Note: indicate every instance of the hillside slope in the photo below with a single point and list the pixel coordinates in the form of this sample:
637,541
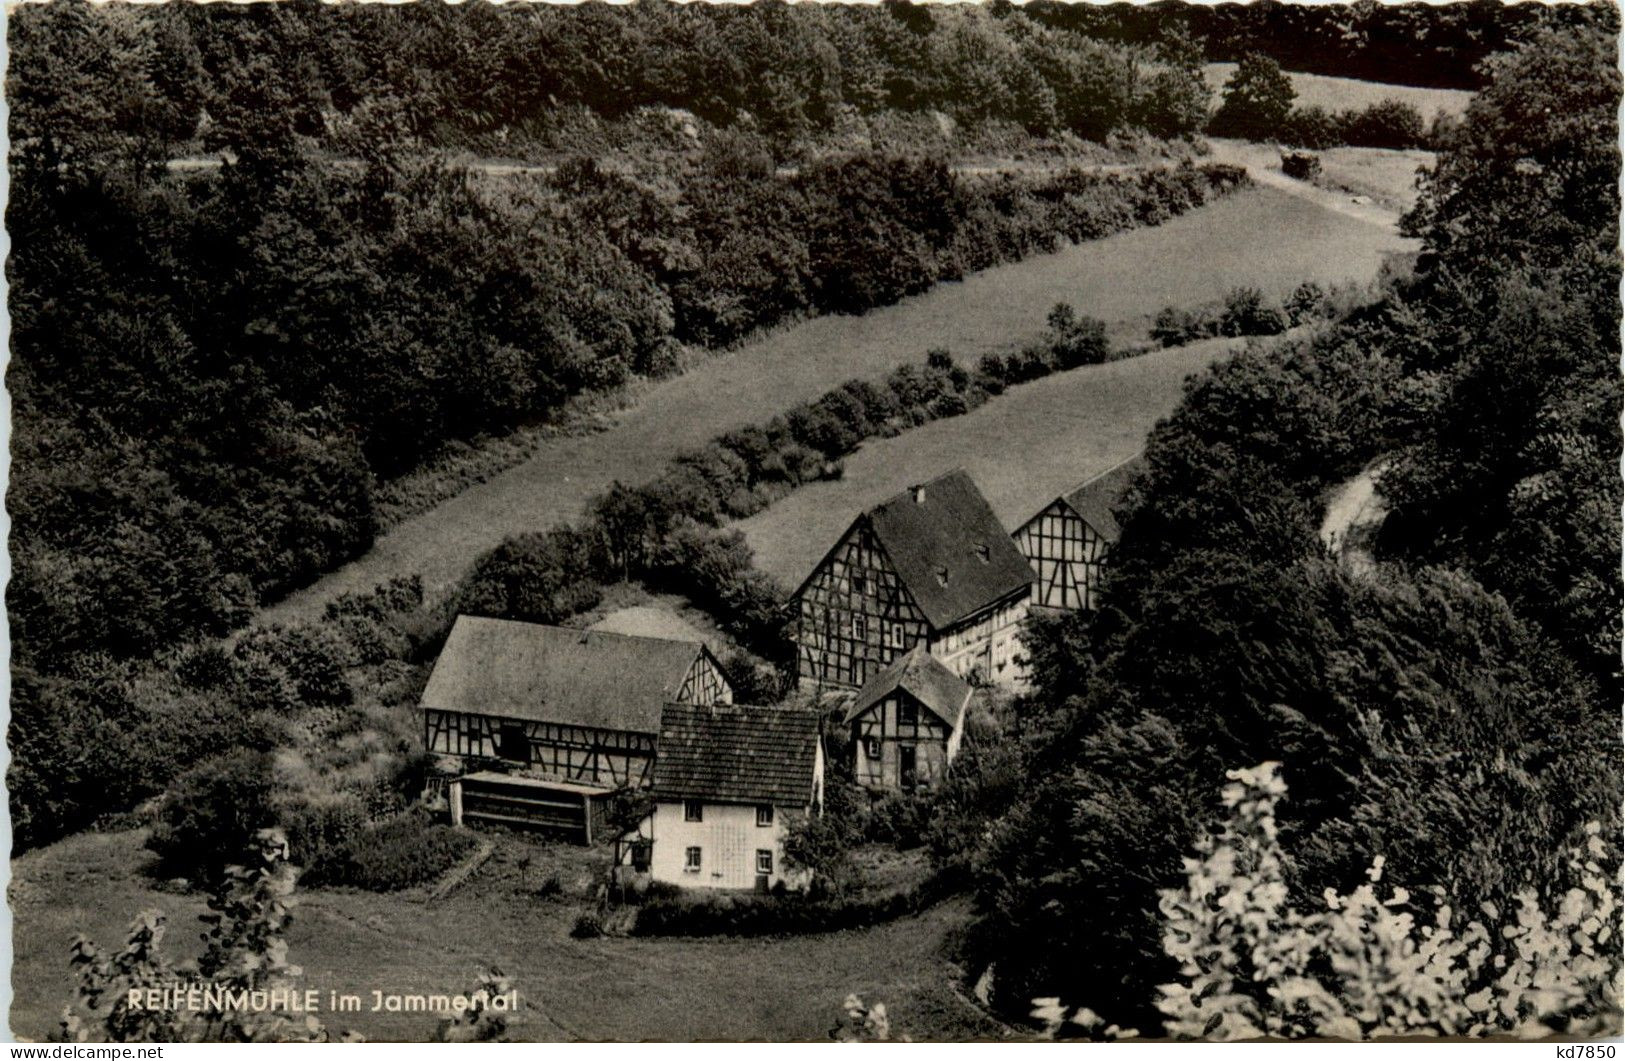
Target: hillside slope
1266,238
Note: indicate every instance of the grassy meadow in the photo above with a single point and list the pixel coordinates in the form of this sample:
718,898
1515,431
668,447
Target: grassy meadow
626,989
1262,237
1347,93
1023,448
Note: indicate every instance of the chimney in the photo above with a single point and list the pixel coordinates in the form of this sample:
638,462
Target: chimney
919,494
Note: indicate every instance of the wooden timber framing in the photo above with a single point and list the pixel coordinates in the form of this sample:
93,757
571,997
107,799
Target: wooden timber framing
570,753
705,683
854,616
1066,554
898,726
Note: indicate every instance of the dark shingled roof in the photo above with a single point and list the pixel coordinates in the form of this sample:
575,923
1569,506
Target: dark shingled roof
732,753
921,675
941,534
1095,500
551,674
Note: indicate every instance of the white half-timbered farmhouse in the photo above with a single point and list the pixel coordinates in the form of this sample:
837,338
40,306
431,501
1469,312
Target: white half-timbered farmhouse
931,566
728,782
907,723
570,713
1066,541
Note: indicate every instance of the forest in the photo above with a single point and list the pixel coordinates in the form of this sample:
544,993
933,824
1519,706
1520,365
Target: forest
213,370
1455,708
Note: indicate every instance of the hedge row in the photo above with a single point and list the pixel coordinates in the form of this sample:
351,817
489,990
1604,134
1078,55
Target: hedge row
784,915
667,532
1245,311
1388,123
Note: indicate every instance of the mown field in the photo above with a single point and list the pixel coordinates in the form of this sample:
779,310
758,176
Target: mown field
1023,449
620,989
1370,184
1263,237
1346,93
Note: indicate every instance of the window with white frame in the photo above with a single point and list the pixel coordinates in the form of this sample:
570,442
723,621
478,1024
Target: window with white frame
764,861
691,860
693,811
872,748
764,814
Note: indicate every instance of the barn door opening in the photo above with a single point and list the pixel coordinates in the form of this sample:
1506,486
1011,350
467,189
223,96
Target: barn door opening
906,764
513,744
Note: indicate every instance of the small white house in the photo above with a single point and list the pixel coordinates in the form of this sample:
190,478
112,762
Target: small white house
729,780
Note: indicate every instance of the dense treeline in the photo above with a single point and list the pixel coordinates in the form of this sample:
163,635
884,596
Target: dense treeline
210,373
1402,44
196,438
495,76
1453,705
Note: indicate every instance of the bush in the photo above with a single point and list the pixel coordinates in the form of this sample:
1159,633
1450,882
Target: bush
587,926
540,578
1307,302
1300,165
991,373
1313,127
1358,965
1389,123
210,817
784,915
1246,313
404,851
1176,327
319,829
1075,340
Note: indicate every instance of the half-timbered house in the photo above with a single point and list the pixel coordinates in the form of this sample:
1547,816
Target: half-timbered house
907,723
575,711
1067,540
931,566
728,783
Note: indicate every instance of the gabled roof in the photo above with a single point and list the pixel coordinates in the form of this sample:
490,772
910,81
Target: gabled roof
951,552
923,677
1095,500
552,674
733,753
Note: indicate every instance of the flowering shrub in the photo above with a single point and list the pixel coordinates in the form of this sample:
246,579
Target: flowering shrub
1369,964
865,1024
